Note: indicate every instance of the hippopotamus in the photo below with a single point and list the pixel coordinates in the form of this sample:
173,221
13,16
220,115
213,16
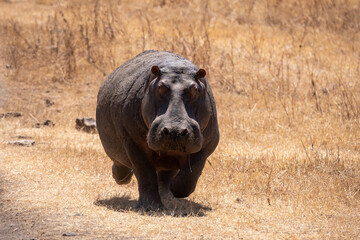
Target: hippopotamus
156,118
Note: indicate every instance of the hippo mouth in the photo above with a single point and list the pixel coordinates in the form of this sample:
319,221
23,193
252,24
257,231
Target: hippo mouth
174,144
169,160
173,148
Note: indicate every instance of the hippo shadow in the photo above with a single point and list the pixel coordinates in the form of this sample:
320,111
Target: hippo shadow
174,207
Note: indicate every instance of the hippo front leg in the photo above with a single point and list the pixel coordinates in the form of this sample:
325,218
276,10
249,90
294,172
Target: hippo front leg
145,173
185,181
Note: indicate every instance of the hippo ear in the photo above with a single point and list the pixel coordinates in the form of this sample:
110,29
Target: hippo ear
201,73
199,76
155,70
154,74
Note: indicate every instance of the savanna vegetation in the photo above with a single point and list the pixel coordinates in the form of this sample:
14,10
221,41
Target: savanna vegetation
286,79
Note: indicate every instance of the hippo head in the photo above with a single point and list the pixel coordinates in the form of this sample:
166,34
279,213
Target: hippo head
176,109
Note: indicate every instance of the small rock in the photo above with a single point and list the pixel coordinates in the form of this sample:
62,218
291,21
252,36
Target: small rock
49,102
23,142
11,114
48,123
69,234
45,123
86,124
8,66
201,214
16,114
78,215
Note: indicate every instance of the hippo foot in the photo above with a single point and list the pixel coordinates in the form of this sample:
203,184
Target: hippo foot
121,174
149,206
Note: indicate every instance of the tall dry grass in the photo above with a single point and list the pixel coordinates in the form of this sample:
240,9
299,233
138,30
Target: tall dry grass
286,80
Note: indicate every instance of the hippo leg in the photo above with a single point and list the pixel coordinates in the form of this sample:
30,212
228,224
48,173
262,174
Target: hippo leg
165,177
145,173
121,173
185,181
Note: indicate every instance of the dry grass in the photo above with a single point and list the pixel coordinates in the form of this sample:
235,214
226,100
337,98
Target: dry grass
286,81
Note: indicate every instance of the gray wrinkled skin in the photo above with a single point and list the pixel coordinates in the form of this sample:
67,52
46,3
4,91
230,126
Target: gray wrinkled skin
157,122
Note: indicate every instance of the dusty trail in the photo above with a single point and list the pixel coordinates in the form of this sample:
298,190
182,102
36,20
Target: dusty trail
17,221
14,224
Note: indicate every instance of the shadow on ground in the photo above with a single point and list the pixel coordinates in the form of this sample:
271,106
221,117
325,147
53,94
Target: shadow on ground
174,207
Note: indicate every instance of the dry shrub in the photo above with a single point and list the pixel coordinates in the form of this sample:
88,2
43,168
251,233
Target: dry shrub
77,38
64,45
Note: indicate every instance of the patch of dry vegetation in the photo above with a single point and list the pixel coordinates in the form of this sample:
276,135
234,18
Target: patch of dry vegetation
285,75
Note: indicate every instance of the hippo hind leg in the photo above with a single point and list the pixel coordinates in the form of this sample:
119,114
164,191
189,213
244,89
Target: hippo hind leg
121,173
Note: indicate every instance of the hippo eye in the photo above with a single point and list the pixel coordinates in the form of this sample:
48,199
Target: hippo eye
194,91
162,89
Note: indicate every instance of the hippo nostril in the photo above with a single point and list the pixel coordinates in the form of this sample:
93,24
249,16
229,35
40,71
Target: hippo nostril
165,131
184,132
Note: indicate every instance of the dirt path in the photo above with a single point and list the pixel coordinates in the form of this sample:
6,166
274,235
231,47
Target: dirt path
14,224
